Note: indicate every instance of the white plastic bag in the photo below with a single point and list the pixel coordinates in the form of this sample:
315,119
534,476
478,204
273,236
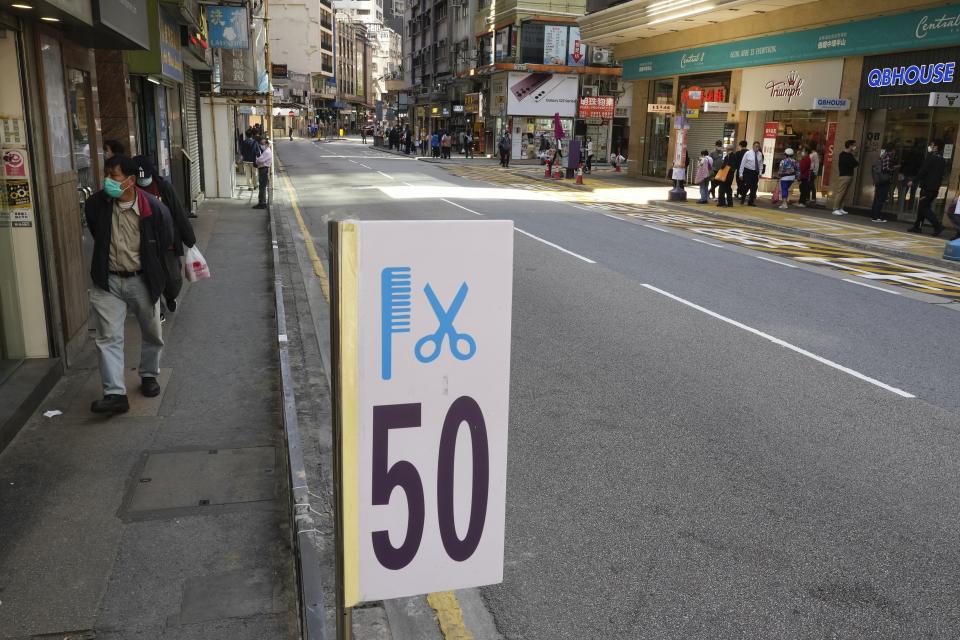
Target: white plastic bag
194,265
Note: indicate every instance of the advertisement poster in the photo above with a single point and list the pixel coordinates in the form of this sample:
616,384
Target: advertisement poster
597,107
555,44
542,94
828,154
577,51
12,133
14,163
228,27
769,146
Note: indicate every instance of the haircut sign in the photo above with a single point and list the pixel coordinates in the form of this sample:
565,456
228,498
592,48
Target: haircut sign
422,336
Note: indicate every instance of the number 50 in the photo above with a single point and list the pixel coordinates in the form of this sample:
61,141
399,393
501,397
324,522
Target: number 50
403,474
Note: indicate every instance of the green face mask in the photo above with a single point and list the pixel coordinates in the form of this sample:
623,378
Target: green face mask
112,187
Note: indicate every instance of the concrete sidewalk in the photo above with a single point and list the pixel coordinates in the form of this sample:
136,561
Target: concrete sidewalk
168,521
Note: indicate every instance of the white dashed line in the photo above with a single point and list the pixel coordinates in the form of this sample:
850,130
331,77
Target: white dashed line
782,264
476,213
385,175
719,246
783,343
555,246
870,286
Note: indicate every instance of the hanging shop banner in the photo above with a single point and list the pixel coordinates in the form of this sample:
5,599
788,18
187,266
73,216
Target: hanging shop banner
576,50
770,131
828,153
171,60
555,44
924,29
597,107
229,27
422,313
542,94
789,86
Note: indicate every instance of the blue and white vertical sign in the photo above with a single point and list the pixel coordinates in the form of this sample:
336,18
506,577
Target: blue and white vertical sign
424,317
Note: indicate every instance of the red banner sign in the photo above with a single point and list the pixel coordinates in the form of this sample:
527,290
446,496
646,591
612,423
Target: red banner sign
597,107
828,154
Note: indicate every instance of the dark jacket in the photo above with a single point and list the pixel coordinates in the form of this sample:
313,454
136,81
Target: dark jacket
249,150
182,229
847,163
156,234
731,160
930,176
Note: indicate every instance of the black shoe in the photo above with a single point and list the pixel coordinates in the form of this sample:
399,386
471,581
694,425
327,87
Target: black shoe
149,387
110,403
171,304
913,230
259,206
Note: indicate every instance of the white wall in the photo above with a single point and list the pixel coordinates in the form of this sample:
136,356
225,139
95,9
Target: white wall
295,35
216,118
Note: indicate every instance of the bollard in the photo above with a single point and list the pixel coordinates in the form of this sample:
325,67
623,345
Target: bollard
546,172
580,174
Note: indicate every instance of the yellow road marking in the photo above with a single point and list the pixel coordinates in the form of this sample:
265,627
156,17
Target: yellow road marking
311,246
449,615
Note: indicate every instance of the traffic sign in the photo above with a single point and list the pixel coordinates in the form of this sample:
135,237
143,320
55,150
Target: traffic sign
422,341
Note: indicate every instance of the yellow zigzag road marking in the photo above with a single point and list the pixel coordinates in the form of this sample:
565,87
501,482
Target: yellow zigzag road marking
449,615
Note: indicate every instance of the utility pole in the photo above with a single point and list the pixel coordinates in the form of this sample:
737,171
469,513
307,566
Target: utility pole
266,62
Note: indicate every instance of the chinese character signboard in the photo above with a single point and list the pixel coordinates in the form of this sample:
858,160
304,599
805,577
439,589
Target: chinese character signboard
576,50
229,27
171,61
597,107
422,323
555,44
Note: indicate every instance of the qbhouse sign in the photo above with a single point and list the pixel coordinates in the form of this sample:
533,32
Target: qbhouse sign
422,317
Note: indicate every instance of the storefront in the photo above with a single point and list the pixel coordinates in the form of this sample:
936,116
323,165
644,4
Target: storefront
895,95
706,126
778,100
533,101
595,122
660,112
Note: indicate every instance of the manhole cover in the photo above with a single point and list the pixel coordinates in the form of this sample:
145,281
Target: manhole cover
202,479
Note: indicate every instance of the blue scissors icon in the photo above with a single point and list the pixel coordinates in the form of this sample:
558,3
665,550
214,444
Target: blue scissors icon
445,328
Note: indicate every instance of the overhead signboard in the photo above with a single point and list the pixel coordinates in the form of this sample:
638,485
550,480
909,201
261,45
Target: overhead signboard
924,29
555,44
422,321
949,100
788,87
904,80
229,27
576,49
717,107
542,94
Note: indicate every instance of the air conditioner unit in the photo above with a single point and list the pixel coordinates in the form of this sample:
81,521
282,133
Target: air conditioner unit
616,86
590,90
599,55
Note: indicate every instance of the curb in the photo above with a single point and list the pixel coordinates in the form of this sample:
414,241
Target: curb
302,525
857,244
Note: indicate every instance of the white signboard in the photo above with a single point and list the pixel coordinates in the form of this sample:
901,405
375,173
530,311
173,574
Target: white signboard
555,44
717,107
424,342
576,49
831,104
661,108
542,94
786,87
941,99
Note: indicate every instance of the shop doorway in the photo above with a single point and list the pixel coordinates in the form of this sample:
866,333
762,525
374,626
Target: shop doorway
910,130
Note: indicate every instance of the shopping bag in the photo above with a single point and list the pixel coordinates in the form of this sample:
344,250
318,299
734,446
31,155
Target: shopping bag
775,196
721,175
194,265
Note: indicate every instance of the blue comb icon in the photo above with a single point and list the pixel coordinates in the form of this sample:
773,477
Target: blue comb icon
395,306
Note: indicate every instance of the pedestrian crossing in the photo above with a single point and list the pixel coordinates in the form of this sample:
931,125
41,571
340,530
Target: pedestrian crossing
849,261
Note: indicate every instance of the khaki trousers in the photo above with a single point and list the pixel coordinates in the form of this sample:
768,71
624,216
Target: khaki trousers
840,191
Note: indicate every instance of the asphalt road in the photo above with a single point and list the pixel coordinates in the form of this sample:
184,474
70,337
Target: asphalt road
705,442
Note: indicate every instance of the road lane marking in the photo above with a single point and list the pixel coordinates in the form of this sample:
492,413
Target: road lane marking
783,343
460,206
449,615
650,226
555,246
308,239
354,162
606,214
782,264
363,165
870,286
719,246
385,175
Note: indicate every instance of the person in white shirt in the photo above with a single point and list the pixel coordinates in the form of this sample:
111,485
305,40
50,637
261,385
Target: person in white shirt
589,155
264,162
750,169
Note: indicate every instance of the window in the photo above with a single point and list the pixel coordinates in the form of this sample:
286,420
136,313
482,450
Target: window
363,12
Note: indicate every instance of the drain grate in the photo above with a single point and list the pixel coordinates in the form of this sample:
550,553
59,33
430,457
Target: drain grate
199,479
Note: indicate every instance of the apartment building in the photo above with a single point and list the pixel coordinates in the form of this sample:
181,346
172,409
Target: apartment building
301,41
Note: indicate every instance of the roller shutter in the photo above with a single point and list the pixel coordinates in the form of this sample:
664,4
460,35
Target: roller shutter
704,132
192,143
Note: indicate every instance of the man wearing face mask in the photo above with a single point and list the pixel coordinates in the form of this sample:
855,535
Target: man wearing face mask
130,230
930,177
264,161
153,183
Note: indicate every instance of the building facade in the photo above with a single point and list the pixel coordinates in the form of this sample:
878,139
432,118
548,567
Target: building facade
301,43
876,73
